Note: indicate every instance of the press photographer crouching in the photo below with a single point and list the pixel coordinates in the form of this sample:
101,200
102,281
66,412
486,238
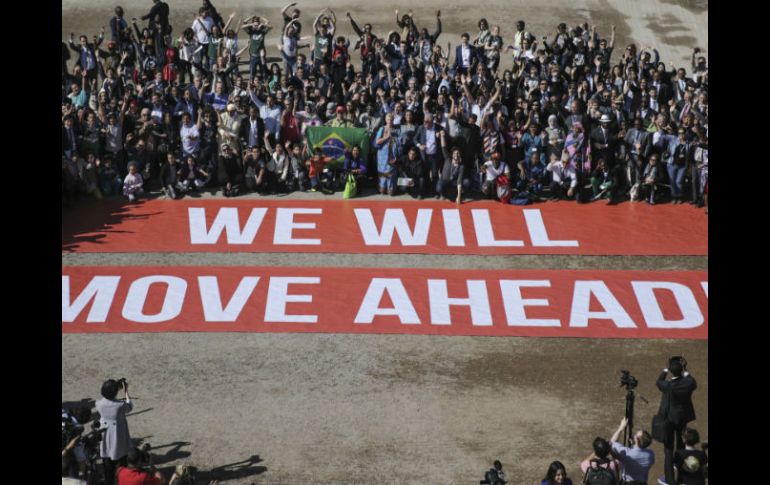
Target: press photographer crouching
80,449
676,410
116,442
139,469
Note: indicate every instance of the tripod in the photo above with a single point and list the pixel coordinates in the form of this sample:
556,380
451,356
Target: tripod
628,433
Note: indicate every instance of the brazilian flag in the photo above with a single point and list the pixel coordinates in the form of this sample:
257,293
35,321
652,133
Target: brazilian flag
335,140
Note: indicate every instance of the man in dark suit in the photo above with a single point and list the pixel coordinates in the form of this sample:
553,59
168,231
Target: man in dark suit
677,408
466,56
603,141
638,141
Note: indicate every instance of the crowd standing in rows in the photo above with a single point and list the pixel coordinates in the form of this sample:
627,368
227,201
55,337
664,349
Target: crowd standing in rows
524,119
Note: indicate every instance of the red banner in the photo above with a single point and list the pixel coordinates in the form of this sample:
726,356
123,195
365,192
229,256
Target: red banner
360,226
544,303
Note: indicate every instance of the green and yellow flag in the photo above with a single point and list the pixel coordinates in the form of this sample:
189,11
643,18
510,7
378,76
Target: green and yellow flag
335,140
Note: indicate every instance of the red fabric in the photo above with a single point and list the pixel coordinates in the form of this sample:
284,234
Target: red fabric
598,229
289,128
194,299
128,476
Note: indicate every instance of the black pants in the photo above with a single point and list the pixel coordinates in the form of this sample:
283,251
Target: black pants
673,442
110,468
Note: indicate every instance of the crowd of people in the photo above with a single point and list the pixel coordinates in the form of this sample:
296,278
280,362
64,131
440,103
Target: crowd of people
529,118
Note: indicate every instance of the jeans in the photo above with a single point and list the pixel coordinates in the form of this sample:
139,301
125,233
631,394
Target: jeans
676,177
288,64
254,63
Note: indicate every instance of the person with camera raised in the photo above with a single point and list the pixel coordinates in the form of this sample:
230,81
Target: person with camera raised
116,442
636,460
676,410
135,473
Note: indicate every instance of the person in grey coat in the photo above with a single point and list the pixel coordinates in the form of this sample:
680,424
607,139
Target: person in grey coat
116,441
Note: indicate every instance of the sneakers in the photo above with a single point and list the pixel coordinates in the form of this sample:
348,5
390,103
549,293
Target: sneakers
313,189
131,198
662,481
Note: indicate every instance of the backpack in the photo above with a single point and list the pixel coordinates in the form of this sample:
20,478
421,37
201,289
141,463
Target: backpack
600,475
492,478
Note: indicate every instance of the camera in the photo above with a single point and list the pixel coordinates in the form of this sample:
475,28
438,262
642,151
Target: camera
627,380
121,383
680,359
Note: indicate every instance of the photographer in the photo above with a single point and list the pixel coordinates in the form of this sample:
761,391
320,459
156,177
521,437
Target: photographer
117,440
636,460
135,474
495,476
676,410
73,453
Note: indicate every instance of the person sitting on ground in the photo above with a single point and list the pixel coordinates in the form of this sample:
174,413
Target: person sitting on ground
229,171
650,180
170,177
492,169
691,464
604,181
600,465
495,475
109,179
556,475
133,183
192,177
636,460
564,178
354,164
135,473
531,174
452,181
315,166
297,173
412,167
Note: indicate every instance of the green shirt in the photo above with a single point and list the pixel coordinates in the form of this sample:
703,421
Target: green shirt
256,39
323,44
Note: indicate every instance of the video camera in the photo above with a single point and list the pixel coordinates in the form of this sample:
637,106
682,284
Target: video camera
627,380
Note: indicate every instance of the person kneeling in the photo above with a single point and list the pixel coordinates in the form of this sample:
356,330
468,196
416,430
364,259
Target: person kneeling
132,184
564,181
315,165
452,181
229,171
170,177
492,170
135,472
192,177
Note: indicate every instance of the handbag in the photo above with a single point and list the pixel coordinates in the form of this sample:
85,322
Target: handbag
661,428
350,187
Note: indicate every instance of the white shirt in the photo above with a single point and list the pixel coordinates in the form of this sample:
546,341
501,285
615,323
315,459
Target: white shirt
198,27
492,172
466,56
430,141
561,173
186,132
271,116
253,133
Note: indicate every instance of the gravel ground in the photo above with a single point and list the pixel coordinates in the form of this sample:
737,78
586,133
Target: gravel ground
333,409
